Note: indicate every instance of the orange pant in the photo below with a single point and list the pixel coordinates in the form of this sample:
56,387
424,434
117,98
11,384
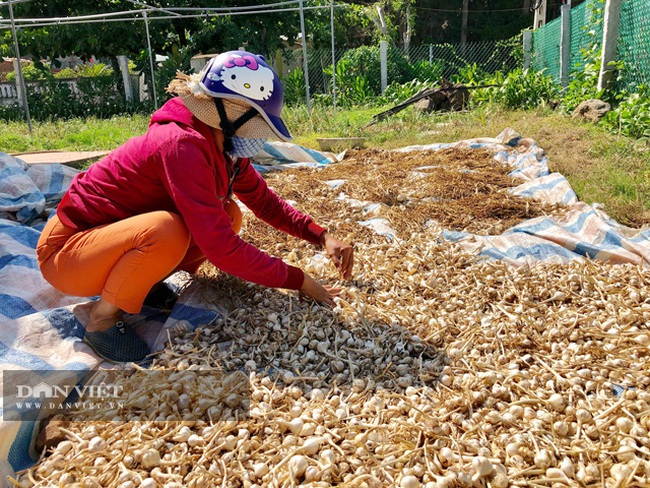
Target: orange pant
123,260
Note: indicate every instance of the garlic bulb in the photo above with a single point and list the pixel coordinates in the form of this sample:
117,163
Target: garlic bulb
150,459
409,482
298,465
436,367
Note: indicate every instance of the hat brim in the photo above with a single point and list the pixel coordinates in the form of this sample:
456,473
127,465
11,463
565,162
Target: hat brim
280,127
260,126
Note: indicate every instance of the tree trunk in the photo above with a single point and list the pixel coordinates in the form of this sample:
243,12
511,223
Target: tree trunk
179,28
379,20
408,33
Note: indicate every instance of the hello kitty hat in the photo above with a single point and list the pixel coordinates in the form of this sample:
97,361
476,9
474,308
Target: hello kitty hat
245,77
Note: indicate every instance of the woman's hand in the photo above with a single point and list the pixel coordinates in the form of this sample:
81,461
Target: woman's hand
341,254
322,294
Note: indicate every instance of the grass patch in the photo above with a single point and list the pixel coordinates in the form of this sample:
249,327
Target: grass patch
71,135
602,167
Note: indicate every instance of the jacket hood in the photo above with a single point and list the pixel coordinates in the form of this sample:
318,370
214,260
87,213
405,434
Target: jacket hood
174,110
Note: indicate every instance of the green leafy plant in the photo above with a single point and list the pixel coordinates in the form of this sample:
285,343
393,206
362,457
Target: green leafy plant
398,92
66,74
11,112
632,115
294,87
352,88
356,63
52,99
360,92
525,89
31,72
584,83
365,62
424,70
584,80
92,70
178,59
490,94
470,74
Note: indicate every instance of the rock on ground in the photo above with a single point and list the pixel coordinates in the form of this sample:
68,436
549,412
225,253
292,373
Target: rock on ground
592,110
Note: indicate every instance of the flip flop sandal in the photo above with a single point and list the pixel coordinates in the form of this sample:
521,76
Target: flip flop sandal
120,344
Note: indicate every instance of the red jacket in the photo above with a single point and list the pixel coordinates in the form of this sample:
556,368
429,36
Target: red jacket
176,167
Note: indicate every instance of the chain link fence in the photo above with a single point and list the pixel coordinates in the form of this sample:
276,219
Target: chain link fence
633,47
358,75
452,59
426,63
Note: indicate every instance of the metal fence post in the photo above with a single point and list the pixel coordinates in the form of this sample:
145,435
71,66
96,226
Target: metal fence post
383,52
304,55
18,69
151,64
565,43
333,54
610,36
528,47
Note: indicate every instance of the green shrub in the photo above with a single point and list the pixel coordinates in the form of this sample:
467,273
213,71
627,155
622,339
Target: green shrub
95,97
294,87
365,62
91,70
178,59
11,112
632,115
31,72
424,70
66,74
94,70
489,94
584,82
352,88
470,74
396,93
525,89
98,93
361,62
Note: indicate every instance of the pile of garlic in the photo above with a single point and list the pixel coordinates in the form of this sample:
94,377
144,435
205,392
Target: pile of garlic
434,370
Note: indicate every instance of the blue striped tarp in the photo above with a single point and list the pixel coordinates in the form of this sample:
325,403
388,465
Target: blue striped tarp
582,231
41,329
278,155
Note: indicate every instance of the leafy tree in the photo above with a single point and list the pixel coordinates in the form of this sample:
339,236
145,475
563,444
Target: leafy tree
83,40
439,21
353,27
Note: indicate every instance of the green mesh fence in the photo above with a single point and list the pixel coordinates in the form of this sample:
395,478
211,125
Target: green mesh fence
586,32
633,46
634,42
546,49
